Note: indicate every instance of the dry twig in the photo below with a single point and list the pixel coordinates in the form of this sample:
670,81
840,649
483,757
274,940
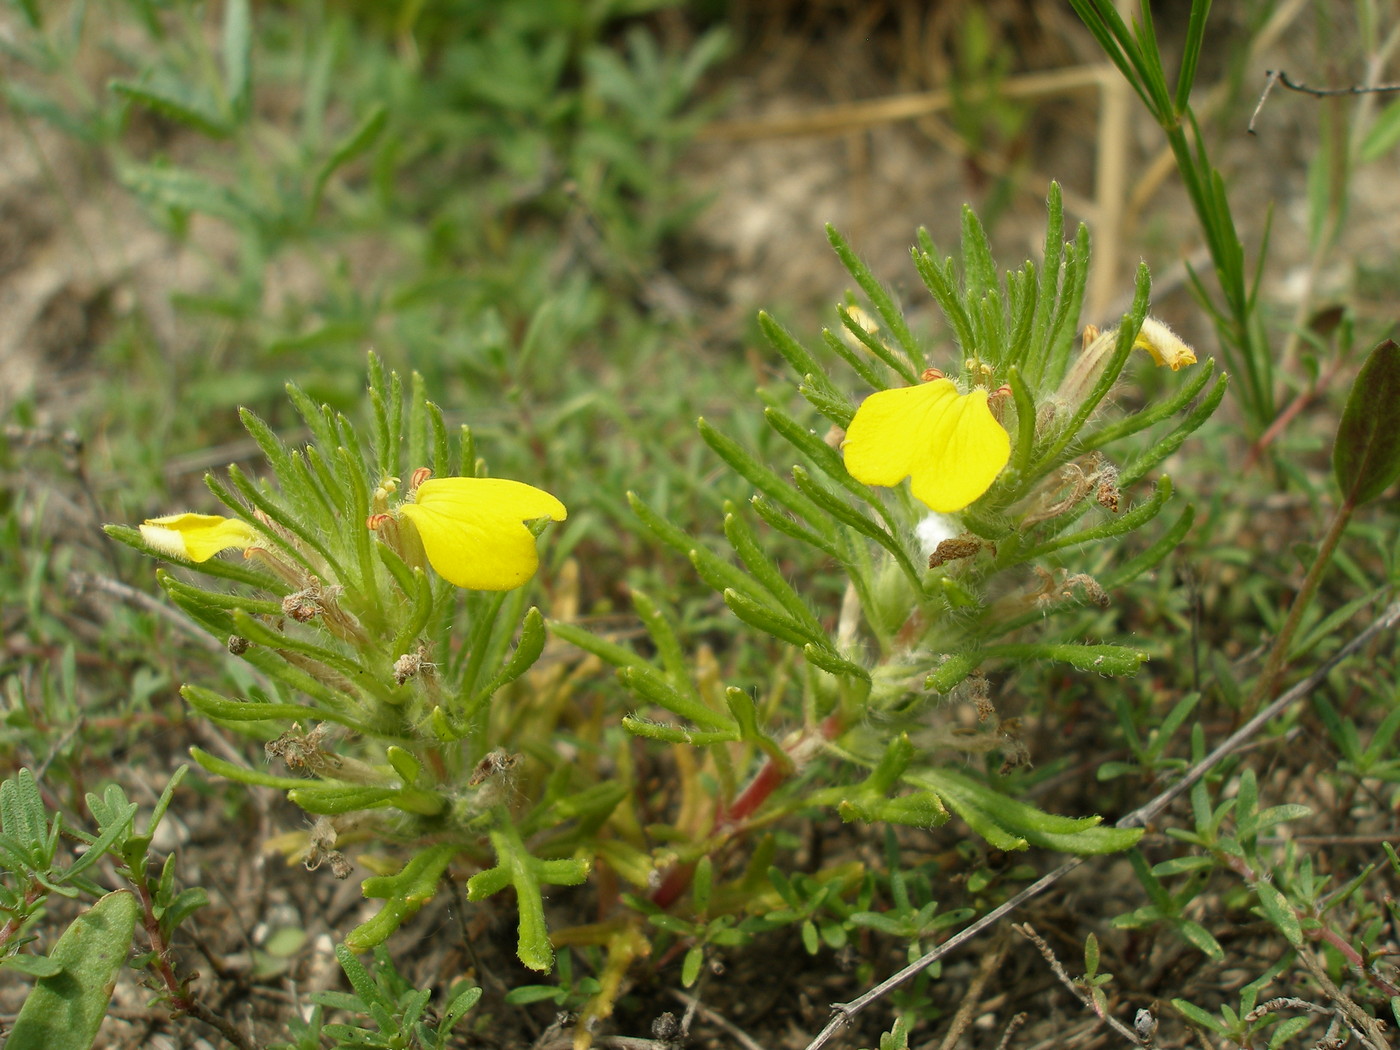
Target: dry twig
1027,931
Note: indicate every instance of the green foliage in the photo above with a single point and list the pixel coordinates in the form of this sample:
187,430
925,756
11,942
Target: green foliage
460,165
353,633
904,625
489,195
1366,455
1134,49
397,1010
75,978
66,1007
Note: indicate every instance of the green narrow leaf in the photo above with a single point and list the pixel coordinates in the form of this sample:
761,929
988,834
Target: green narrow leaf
690,968
845,513
663,635
1025,420
713,569
617,655
64,1012
834,663
1278,911
766,480
223,768
862,366
527,651
238,57
774,516
651,684
31,11
1135,518
174,102
883,302
770,621
1191,53
673,734
1139,467
184,191
979,268
1194,1013
941,281
1287,1030
872,342
516,867
1069,304
223,709
1149,415
1383,136
827,400
1366,456
1127,333
360,139
797,356
403,894
767,573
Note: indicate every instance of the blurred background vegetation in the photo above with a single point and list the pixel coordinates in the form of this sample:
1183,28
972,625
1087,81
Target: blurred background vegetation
564,214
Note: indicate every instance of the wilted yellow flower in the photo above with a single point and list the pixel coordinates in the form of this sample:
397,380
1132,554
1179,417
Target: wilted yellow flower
949,445
198,537
1157,339
473,530
1163,344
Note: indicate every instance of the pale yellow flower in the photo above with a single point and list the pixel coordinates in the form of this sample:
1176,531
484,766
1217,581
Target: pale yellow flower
198,537
1163,344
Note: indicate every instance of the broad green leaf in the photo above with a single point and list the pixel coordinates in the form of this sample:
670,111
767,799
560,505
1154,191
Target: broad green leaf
64,1011
1366,457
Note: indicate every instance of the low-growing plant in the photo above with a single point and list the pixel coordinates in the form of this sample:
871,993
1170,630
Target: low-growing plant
381,603
820,663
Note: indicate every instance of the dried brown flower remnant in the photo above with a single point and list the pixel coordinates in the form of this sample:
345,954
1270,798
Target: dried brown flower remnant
964,546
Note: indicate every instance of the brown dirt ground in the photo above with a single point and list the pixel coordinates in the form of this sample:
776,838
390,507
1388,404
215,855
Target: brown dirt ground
75,252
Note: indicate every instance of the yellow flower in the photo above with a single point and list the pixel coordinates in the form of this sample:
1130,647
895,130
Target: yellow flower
948,444
1163,344
473,529
198,537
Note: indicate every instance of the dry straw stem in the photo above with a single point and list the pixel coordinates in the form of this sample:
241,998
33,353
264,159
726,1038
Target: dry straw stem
1111,177
1027,931
971,1003
850,116
1160,167
81,582
843,1012
1366,1028
693,1007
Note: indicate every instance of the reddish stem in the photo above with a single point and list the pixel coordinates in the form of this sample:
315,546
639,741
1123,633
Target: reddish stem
1323,932
32,894
1294,408
729,819
177,991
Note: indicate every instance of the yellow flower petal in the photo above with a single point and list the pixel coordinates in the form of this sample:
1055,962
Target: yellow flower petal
473,529
948,444
198,537
1163,344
